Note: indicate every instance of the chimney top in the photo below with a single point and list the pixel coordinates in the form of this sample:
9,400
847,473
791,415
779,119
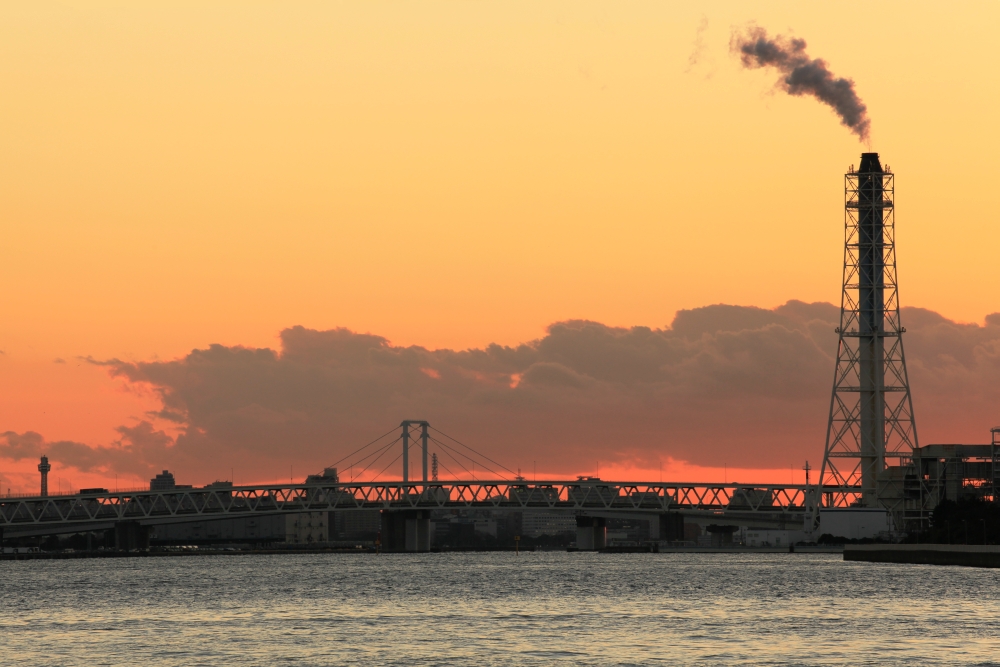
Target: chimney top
869,163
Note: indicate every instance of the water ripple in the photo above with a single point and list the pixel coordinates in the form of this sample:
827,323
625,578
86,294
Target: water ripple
497,609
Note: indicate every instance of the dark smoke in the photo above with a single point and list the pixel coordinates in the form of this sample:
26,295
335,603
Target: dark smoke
803,75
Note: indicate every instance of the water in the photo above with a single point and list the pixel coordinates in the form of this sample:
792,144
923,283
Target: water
496,609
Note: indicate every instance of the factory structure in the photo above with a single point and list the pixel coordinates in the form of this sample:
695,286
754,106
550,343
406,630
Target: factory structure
871,441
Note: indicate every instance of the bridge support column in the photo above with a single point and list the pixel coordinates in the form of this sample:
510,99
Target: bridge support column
406,530
591,533
406,451
423,448
130,535
670,527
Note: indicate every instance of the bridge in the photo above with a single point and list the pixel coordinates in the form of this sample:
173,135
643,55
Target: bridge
777,506
406,505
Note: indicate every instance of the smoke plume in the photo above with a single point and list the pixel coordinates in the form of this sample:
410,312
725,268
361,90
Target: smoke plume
802,75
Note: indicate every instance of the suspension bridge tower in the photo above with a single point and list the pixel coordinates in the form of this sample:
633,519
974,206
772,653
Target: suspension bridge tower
871,430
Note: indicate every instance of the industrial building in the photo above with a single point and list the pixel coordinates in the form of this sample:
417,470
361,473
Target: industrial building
954,472
359,526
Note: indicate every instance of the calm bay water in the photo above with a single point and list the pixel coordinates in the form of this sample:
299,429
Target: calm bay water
496,609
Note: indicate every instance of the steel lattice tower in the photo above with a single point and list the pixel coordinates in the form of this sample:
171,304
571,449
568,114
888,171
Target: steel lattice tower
871,412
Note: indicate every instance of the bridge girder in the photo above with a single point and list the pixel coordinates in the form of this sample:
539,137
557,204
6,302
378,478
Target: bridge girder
737,504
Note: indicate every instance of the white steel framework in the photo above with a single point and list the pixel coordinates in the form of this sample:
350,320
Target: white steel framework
871,425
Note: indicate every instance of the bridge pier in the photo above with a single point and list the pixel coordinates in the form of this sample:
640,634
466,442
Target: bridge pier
668,527
406,530
131,535
591,533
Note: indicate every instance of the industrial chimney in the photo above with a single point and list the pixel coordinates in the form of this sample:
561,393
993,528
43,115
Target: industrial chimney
871,206
871,413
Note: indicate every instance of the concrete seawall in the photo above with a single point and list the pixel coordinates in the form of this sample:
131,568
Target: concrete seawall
926,554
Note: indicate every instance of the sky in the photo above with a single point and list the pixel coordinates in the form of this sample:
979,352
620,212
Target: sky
208,209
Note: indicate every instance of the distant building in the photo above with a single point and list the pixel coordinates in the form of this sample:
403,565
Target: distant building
163,482
856,522
298,528
724,535
761,537
307,528
304,528
485,526
538,523
453,531
329,476
692,532
255,529
355,525
623,531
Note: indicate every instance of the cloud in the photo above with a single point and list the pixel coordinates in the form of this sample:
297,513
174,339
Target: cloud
585,391
139,449
742,386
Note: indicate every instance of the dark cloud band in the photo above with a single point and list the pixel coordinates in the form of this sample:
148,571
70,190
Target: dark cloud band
748,387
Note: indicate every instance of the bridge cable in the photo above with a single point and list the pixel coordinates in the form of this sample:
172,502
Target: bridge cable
359,462
480,463
472,450
474,461
388,466
383,451
374,456
451,452
366,446
452,457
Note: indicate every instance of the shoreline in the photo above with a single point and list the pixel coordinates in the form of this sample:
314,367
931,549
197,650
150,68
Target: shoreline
969,555
165,553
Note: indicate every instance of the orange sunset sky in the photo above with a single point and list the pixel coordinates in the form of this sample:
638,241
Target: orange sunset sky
447,176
